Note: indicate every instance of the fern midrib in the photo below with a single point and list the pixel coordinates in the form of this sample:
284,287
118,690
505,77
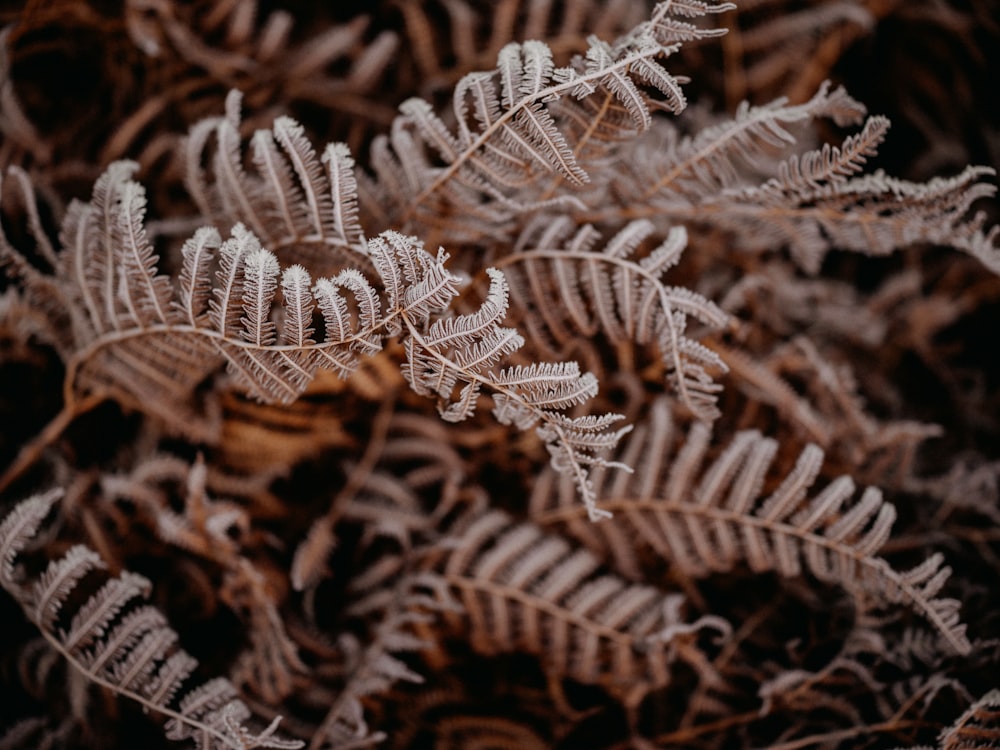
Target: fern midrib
108,339
689,212
656,505
132,695
701,155
532,601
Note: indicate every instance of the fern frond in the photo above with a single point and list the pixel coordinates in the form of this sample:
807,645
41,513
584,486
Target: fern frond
260,273
58,580
694,168
301,205
706,519
512,124
144,293
19,527
150,346
195,277
460,353
296,286
873,214
117,640
521,589
744,176
615,292
157,350
829,163
465,330
400,606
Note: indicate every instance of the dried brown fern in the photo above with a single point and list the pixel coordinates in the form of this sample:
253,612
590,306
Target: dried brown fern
709,524
358,511
616,293
119,642
134,339
523,590
508,133
740,176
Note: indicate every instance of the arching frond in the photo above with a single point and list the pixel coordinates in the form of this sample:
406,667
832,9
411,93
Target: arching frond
117,640
709,518
521,589
749,176
511,124
619,292
459,353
